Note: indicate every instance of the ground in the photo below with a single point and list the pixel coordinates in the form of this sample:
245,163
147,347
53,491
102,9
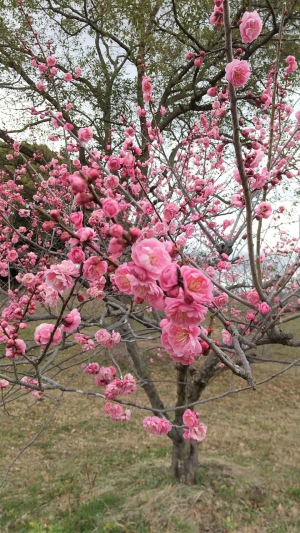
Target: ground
86,474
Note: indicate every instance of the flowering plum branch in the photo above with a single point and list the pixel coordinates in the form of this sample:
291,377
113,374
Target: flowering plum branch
122,247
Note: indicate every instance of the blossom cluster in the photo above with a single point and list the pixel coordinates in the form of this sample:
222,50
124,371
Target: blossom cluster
182,292
238,71
105,376
195,431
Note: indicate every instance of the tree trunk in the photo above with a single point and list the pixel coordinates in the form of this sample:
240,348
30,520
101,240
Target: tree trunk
185,461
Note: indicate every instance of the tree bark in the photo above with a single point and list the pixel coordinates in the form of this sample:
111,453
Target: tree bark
185,461
190,386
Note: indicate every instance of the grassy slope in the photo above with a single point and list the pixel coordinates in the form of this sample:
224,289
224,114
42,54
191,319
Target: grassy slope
86,474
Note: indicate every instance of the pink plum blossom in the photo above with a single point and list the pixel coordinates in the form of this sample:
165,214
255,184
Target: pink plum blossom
212,91
85,134
292,64
91,368
168,278
183,314
106,339
116,230
189,56
170,211
196,434
263,210
48,294
119,387
114,163
116,247
85,234
76,255
196,285
250,26
51,61
12,255
151,255
61,276
28,279
76,219
227,337
110,207
106,375
68,77
71,321
43,333
128,160
252,297
94,268
221,300
141,112
95,289
40,85
263,308
85,341
78,72
216,17
35,393
190,418
122,278
4,383
237,72
156,425
115,411
146,84
238,200
77,182
111,181
148,291
181,343
15,348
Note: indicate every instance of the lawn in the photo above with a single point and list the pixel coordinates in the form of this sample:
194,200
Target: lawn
86,474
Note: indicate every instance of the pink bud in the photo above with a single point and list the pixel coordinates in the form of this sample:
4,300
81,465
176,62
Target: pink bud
173,293
198,61
10,343
212,91
77,183
93,175
83,198
134,233
116,230
64,236
189,56
55,215
48,225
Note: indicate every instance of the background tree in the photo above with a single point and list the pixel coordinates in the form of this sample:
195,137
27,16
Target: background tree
111,49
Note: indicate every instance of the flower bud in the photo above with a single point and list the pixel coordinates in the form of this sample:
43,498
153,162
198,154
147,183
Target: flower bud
48,225
65,236
55,215
93,175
